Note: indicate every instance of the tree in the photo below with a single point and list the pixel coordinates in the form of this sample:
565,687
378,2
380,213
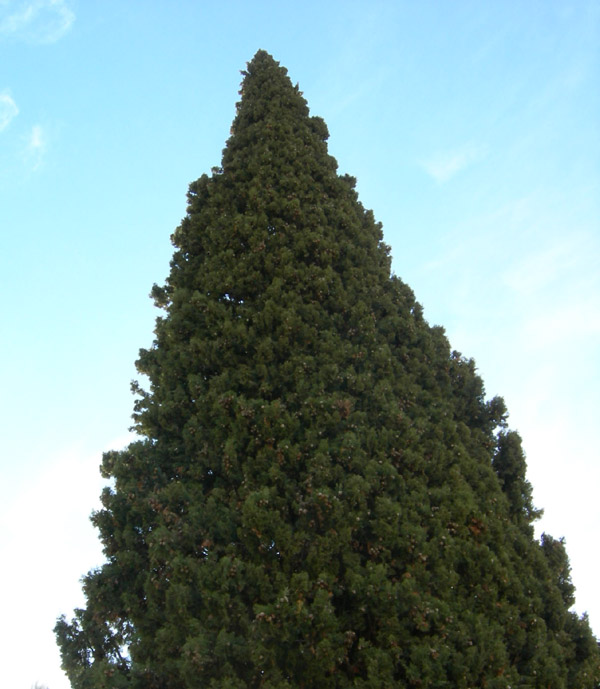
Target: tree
319,496
509,463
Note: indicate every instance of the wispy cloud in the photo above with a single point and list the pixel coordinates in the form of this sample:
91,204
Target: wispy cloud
537,269
35,21
8,110
36,146
445,164
558,286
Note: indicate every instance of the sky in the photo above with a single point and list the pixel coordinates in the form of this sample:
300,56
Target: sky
472,129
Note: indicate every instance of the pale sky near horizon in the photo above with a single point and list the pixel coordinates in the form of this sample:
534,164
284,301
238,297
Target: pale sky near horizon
472,129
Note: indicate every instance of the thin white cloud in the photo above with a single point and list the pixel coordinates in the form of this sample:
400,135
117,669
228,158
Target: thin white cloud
35,21
8,110
572,325
445,164
537,270
36,139
558,285
36,146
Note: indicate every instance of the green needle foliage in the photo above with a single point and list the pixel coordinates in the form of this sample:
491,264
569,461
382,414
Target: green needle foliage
320,496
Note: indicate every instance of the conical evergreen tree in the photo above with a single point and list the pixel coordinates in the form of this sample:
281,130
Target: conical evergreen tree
320,496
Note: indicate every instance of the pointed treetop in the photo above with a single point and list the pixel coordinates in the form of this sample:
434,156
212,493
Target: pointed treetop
265,73
270,108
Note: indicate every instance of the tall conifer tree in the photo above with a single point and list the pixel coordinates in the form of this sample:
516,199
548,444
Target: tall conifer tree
321,495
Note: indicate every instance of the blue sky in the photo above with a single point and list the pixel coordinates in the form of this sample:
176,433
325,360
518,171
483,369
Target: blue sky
472,129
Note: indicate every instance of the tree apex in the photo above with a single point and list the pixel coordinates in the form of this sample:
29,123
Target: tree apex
263,62
262,57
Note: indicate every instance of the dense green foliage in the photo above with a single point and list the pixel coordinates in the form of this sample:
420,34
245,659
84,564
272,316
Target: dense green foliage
321,496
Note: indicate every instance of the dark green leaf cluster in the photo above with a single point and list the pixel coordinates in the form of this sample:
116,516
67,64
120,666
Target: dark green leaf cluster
321,495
